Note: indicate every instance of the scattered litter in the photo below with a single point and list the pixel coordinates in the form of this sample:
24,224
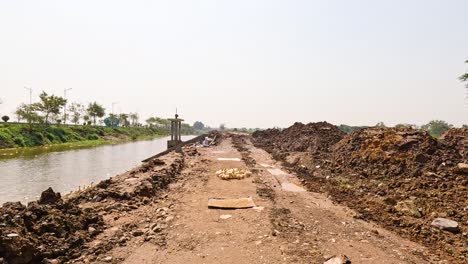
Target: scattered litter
228,174
225,216
229,159
12,235
265,165
222,203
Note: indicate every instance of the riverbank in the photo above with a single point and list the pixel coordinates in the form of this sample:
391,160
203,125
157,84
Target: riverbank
158,213
21,136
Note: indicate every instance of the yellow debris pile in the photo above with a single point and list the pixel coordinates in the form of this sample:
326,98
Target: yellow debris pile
229,174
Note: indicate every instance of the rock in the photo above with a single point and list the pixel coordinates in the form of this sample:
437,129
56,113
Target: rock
225,216
137,233
93,231
11,235
169,218
341,259
158,228
50,261
49,197
108,259
462,168
446,224
409,208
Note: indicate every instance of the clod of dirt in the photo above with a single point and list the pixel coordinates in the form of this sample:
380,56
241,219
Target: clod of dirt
50,228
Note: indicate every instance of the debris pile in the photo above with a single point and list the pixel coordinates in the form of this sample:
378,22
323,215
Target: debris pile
47,229
402,178
315,138
457,138
229,174
384,152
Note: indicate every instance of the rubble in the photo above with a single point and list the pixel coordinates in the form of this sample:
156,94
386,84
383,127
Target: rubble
399,177
50,228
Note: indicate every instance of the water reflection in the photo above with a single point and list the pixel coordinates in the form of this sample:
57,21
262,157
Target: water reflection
23,179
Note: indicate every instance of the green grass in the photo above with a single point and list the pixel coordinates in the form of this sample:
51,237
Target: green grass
21,136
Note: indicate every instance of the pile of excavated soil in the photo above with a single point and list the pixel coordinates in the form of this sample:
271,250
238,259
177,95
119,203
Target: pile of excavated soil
384,152
457,138
48,228
315,138
400,178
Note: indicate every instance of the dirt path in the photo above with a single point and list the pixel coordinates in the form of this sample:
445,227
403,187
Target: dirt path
294,226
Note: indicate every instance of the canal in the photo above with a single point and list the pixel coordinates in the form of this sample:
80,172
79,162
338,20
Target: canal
24,178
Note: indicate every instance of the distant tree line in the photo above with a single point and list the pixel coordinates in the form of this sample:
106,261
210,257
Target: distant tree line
52,109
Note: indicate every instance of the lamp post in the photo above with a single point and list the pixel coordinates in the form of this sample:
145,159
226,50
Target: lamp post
65,106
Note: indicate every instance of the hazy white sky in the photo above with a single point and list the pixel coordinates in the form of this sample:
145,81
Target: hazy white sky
243,63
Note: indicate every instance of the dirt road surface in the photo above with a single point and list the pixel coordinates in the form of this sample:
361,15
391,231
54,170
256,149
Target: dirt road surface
288,224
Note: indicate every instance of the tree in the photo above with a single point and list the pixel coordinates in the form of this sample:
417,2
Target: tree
436,127
405,126
198,125
222,127
76,110
95,110
134,118
465,126
123,118
49,104
464,77
111,121
380,124
5,118
28,112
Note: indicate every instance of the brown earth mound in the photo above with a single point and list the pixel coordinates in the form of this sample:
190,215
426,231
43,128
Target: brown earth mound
314,138
400,178
48,228
383,152
457,138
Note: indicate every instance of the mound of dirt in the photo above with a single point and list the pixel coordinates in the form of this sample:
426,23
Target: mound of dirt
384,152
49,228
457,138
315,138
401,178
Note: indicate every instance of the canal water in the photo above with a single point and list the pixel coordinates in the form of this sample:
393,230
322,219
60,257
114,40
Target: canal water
24,178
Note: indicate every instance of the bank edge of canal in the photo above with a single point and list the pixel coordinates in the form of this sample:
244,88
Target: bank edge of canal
24,178
56,228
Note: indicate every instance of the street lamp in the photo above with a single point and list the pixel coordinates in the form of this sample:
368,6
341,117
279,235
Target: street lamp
65,106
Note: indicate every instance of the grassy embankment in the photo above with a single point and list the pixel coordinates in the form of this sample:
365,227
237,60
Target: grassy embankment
20,135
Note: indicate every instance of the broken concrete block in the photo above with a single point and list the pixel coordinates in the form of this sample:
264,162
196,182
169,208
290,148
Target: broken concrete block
446,224
222,203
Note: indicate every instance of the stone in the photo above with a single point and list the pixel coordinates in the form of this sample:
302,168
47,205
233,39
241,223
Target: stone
446,224
49,197
137,233
50,261
341,259
108,259
462,168
225,216
408,207
93,231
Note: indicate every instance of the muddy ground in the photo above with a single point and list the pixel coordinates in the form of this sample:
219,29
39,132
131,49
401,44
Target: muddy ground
158,213
400,178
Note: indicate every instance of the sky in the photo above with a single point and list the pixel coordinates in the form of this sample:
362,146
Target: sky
242,63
